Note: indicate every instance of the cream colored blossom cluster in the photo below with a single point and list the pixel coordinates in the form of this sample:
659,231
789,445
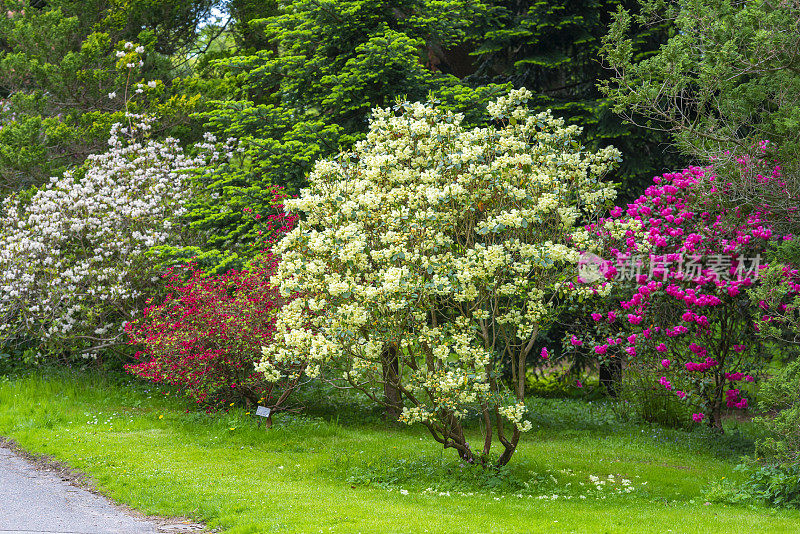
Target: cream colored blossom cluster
73,263
515,413
443,242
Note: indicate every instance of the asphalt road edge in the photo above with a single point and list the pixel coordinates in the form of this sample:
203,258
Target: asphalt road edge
79,479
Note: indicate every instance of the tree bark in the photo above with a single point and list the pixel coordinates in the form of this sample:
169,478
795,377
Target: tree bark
390,368
611,375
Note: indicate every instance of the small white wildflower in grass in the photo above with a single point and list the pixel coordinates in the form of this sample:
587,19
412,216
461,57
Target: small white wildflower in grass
403,492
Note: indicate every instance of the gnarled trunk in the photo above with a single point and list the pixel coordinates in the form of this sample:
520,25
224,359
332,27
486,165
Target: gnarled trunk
390,369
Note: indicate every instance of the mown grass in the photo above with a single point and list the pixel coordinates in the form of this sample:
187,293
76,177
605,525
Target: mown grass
337,468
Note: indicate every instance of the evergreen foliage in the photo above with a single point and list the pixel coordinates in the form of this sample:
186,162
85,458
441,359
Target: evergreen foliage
58,69
307,93
552,48
728,79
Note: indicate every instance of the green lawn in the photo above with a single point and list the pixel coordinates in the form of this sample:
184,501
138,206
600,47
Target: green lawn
338,469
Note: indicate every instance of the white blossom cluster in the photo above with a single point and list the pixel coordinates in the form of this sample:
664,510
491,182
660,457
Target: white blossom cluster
515,414
72,254
445,242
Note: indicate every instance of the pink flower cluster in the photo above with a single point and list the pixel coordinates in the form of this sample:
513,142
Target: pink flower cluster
733,400
684,216
207,333
735,377
701,367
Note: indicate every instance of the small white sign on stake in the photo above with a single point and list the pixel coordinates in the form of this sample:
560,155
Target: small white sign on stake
263,411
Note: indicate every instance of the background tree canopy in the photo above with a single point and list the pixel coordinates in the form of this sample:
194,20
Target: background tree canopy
296,79
299,78
553,49
58,70
726,80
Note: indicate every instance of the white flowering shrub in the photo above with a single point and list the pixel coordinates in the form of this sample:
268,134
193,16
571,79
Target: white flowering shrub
73,263
431,253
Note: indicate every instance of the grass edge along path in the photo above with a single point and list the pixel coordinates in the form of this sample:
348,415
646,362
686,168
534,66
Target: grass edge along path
78,479
144,449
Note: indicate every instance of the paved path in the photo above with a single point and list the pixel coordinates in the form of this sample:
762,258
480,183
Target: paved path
35,501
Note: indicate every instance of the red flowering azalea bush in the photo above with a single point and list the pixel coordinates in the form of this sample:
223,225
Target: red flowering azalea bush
208,332
683,255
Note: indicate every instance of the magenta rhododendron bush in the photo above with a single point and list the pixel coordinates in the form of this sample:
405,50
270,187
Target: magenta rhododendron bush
682,255
209,331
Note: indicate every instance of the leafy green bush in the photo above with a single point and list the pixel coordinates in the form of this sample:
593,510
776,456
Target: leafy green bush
780,400
777,485
642,398
773,485
564,385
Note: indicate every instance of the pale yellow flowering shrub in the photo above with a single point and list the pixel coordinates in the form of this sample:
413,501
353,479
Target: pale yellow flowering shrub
430,253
